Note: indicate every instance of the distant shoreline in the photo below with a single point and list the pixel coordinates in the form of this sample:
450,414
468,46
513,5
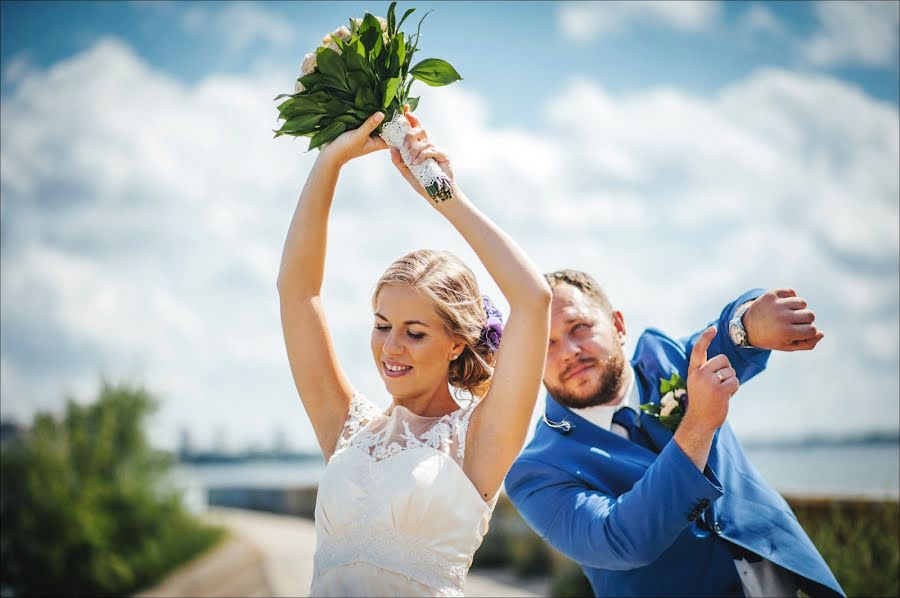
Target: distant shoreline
862,440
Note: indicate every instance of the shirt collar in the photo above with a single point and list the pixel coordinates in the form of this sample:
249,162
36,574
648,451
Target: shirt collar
601,415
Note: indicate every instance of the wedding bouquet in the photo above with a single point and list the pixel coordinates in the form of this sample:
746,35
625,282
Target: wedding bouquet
357,71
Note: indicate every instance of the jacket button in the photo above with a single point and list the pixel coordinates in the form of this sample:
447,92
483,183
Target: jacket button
717,528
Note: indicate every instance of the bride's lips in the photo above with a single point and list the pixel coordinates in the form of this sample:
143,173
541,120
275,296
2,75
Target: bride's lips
395,374
578,370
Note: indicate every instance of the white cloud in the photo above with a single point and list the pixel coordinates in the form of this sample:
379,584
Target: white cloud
862,32
142,232
584,21
238,25
759,19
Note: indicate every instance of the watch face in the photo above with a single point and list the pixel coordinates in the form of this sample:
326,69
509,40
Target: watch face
737,334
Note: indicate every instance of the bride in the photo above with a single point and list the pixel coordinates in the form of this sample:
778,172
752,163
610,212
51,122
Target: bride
407,493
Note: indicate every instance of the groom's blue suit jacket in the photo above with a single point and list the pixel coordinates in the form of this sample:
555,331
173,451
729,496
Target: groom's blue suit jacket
639,517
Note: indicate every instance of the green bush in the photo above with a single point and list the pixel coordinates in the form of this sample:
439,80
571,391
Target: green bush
85,505
859,539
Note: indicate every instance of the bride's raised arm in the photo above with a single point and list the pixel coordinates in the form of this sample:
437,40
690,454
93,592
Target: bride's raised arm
322,384
499,425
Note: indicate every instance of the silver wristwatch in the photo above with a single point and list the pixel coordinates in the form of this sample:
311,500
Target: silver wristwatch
736,329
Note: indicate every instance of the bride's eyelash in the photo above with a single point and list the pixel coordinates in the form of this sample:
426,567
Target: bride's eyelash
413,335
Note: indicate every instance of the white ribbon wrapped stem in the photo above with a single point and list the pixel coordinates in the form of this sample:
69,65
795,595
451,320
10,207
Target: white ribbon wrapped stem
428,173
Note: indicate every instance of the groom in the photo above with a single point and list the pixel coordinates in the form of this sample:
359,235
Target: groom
646,512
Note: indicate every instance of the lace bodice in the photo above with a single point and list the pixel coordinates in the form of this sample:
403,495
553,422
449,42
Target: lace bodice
383,435
395,507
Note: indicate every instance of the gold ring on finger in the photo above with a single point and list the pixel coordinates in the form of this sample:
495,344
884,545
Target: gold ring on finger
719,376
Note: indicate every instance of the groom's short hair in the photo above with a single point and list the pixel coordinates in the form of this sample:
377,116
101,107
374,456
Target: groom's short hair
583,282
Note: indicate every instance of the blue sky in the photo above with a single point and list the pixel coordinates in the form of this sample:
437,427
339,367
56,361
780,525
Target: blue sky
681,152
498,46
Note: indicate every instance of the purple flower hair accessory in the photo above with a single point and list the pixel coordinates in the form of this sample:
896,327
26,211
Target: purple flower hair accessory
493,327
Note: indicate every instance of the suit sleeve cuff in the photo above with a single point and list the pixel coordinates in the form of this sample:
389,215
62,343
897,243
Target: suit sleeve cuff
700,489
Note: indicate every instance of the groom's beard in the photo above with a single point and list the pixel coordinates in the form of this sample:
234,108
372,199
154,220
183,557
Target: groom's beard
606,390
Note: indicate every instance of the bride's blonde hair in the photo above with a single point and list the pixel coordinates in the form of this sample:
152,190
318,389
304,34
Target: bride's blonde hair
452,288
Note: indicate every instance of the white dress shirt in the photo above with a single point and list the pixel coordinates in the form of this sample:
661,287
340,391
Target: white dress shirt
601,415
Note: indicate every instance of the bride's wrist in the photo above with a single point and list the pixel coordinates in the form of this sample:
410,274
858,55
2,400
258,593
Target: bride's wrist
456,200
327,161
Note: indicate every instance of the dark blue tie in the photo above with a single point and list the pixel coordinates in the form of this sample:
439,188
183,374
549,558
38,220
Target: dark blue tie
628,419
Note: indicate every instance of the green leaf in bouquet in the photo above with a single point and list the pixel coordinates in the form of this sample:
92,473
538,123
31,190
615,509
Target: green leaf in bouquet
362,115
413,103
302,124
369,95
419,30
313,81
651,408
329,133
282,95
435,72
671,421
391,19
370,33
393,64
390,91
350,120
359,100
286,106
335,106
299,105
355,62
399,44
359,80
330,64
408,12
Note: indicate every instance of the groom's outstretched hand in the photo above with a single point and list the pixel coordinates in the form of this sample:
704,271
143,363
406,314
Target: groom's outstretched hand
710,384
782,321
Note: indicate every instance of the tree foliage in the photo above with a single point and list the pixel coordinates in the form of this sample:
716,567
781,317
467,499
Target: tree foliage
85,503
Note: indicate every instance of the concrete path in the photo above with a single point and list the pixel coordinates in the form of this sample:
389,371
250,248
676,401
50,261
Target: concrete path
272,555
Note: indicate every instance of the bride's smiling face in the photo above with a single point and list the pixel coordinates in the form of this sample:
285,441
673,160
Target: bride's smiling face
411,347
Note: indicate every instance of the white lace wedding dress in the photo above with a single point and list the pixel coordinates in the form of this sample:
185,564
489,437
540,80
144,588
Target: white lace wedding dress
395,514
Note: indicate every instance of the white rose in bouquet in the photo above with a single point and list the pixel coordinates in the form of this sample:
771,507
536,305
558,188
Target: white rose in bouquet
669,402
309,64
341,33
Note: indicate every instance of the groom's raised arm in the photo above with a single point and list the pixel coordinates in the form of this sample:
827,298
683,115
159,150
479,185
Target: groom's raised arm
602,531
746,361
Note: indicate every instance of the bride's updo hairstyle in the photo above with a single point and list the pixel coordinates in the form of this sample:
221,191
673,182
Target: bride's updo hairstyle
452,288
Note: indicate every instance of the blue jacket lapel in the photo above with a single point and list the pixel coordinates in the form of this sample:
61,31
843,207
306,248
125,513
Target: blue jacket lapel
651,363
567,423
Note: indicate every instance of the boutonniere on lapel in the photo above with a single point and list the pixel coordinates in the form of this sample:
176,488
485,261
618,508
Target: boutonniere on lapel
673,405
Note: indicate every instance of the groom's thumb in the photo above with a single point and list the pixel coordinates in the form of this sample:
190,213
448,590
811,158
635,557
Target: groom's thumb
698,353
